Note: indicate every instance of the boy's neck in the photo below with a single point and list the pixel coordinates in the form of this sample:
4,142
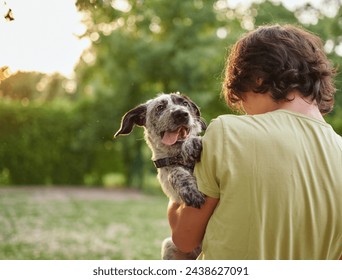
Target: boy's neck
302,105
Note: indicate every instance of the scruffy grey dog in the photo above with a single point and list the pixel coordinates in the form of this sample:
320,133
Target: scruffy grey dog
172,124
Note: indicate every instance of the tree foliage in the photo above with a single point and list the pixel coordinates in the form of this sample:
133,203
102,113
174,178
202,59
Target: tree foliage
33,86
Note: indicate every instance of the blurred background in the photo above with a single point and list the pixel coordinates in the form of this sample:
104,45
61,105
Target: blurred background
71,69
56,125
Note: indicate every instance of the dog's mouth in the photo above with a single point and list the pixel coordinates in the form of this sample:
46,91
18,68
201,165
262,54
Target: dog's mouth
172,137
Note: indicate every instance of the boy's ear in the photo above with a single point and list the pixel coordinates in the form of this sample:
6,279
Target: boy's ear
136,116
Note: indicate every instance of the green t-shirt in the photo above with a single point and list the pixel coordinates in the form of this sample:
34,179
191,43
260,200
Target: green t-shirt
279,180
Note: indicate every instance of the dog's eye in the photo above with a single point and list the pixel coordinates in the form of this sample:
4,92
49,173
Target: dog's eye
160,108
186,104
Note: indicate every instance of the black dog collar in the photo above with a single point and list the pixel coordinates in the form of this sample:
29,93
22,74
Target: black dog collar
177,160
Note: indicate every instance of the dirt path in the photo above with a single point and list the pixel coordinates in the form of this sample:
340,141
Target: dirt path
84,193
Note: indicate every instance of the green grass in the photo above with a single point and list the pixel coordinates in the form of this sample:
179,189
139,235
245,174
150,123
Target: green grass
36,225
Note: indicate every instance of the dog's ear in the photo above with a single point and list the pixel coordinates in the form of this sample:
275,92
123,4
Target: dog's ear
203,124
136,116
197,112
193,105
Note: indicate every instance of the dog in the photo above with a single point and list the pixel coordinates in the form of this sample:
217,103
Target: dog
172,127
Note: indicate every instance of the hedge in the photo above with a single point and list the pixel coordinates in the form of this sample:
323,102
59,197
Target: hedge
56,143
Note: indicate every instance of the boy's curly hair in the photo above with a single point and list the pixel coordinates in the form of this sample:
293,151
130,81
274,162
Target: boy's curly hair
280,59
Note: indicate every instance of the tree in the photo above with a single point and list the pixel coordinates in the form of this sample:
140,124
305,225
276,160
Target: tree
33,86
20,86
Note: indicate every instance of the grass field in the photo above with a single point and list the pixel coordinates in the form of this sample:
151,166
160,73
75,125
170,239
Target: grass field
79,223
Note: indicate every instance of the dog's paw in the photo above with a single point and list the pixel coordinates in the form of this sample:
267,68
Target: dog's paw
193,198
192,149
171,252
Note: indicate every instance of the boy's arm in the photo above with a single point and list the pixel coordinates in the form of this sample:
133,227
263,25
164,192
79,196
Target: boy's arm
188,224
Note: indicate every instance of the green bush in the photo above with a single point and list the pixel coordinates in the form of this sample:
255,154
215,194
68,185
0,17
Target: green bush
55,143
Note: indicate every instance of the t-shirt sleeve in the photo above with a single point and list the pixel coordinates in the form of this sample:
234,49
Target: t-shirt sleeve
206,170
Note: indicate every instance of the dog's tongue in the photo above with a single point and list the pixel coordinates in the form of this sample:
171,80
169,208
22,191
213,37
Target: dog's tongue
171,137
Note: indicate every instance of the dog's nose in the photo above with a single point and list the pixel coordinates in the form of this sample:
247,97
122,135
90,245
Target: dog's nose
180,116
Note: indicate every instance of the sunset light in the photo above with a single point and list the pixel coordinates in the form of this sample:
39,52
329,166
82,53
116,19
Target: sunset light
42,37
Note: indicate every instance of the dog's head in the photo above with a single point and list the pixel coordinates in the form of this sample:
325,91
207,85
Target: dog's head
168,119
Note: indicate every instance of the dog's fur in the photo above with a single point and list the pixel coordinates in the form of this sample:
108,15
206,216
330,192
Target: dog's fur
172,124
